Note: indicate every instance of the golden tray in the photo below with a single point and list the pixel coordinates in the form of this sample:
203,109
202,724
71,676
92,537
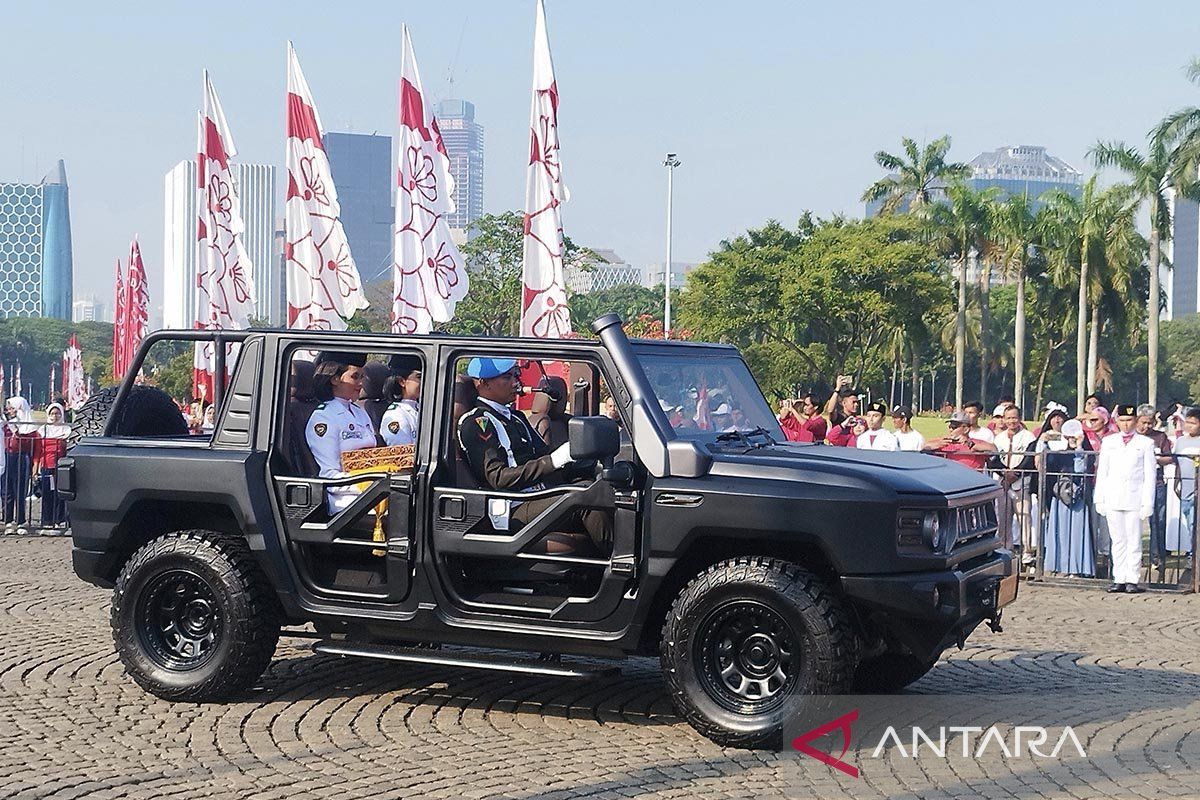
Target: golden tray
379,459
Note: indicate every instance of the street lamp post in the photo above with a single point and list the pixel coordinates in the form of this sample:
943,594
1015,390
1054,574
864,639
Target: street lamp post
670,163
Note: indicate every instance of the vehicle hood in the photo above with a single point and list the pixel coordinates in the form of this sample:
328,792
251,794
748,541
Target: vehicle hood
903,473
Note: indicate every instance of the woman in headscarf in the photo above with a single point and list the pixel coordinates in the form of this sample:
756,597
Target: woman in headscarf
1067,544
51,447
20,441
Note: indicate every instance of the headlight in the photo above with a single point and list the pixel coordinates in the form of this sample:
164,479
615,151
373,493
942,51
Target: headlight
931,529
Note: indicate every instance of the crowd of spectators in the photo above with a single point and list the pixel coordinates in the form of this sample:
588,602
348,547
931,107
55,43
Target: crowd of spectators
32,448
1076,488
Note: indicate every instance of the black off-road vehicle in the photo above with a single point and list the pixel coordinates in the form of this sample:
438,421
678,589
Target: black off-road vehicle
758,571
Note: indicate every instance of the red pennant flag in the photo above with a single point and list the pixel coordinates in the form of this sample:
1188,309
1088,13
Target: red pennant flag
137,301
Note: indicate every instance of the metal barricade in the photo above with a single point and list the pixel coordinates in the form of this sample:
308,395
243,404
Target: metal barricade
1047,516
28,495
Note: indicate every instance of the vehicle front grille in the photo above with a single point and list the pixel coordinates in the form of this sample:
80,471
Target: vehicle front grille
974,522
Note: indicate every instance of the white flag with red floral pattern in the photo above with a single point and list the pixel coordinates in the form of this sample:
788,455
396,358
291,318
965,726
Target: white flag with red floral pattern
224,274
429,274
119,308
75,392
323,285
544,312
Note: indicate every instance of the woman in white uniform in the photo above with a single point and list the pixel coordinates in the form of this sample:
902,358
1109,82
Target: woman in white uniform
337,425
402,418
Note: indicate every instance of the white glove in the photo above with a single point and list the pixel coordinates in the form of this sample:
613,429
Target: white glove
562,456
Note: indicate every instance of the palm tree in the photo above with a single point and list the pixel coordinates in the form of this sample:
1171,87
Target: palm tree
1015,227
1070,226
1149,179
964,221
1181,131
916,173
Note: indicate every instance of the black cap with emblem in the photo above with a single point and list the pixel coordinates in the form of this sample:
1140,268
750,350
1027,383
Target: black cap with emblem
878,406
1126,410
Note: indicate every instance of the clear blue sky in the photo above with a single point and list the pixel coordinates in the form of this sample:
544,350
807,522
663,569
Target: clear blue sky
774,107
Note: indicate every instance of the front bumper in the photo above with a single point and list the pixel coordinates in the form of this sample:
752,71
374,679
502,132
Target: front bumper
929,611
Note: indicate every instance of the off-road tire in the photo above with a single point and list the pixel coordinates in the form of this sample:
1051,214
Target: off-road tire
244,602
147,411
817,618
889,672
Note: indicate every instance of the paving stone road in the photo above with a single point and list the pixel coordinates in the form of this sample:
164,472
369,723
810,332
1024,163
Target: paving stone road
1124,671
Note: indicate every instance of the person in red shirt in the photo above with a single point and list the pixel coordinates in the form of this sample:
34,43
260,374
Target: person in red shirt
958,445
48,450
844,419
792,424
801,420
20,440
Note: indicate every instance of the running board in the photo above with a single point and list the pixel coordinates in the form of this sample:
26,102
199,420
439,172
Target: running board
443,658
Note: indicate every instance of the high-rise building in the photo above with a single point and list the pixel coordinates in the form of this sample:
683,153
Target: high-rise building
88,309
464,143
363,176
1021,169
35,247
256,190
1182,252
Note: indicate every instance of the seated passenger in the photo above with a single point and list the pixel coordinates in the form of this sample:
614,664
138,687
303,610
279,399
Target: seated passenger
402,418
338,424
505,453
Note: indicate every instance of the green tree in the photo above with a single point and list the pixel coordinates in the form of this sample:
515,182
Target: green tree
916,172
1014,227
1150,179
630,301
494,256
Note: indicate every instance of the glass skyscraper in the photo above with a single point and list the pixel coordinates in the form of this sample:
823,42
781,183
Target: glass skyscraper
464,142
362,173
35,247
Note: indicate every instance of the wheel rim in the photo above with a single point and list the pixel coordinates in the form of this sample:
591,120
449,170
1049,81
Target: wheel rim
748,657
179,620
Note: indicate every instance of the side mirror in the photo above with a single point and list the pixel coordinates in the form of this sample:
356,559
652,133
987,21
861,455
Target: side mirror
593,438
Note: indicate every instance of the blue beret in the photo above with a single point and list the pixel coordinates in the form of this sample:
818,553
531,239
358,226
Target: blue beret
484,368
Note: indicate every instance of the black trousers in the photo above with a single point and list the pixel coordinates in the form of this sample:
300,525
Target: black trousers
595,518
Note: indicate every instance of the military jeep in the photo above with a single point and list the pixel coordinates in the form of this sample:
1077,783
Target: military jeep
759,572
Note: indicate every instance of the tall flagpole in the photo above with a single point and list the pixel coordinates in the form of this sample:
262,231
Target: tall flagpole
670,163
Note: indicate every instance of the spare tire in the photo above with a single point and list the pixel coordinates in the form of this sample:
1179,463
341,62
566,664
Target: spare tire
147,411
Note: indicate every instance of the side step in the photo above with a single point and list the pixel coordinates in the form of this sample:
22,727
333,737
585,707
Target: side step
445,658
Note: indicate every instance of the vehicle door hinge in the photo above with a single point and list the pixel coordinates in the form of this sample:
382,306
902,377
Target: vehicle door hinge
625,566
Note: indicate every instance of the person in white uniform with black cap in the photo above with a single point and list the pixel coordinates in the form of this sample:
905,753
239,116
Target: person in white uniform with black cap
1124,494
402,418
338,424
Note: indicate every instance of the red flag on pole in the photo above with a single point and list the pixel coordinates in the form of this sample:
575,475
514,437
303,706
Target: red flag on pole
544,312
119,308
137,301
323,285
429,275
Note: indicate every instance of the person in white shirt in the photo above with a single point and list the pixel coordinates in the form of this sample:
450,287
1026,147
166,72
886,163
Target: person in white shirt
1125,496
872,436
1014,446
985,440
909,438
402,419
338,425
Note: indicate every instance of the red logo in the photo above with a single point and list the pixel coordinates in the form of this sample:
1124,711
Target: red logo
842,723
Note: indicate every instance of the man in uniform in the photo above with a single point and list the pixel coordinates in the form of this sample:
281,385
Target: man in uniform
872,436
1125,495
505,453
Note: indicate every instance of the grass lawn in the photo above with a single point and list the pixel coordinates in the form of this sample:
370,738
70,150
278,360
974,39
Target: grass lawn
936,426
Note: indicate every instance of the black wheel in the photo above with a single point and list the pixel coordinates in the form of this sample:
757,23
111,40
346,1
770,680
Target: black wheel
889,672
147,411
193,617
746,641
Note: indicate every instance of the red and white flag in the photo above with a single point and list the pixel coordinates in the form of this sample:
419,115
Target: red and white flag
18,388
323,285
429,274
119,305
224,274
75,389
137,302
544,312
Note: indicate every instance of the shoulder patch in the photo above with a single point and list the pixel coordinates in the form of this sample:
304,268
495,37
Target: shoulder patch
320,428
482,422
394,426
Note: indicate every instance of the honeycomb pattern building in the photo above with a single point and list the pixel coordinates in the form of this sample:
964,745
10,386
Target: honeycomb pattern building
35,248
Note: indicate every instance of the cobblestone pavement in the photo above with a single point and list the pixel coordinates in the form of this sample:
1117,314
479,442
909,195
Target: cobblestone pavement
1123,670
